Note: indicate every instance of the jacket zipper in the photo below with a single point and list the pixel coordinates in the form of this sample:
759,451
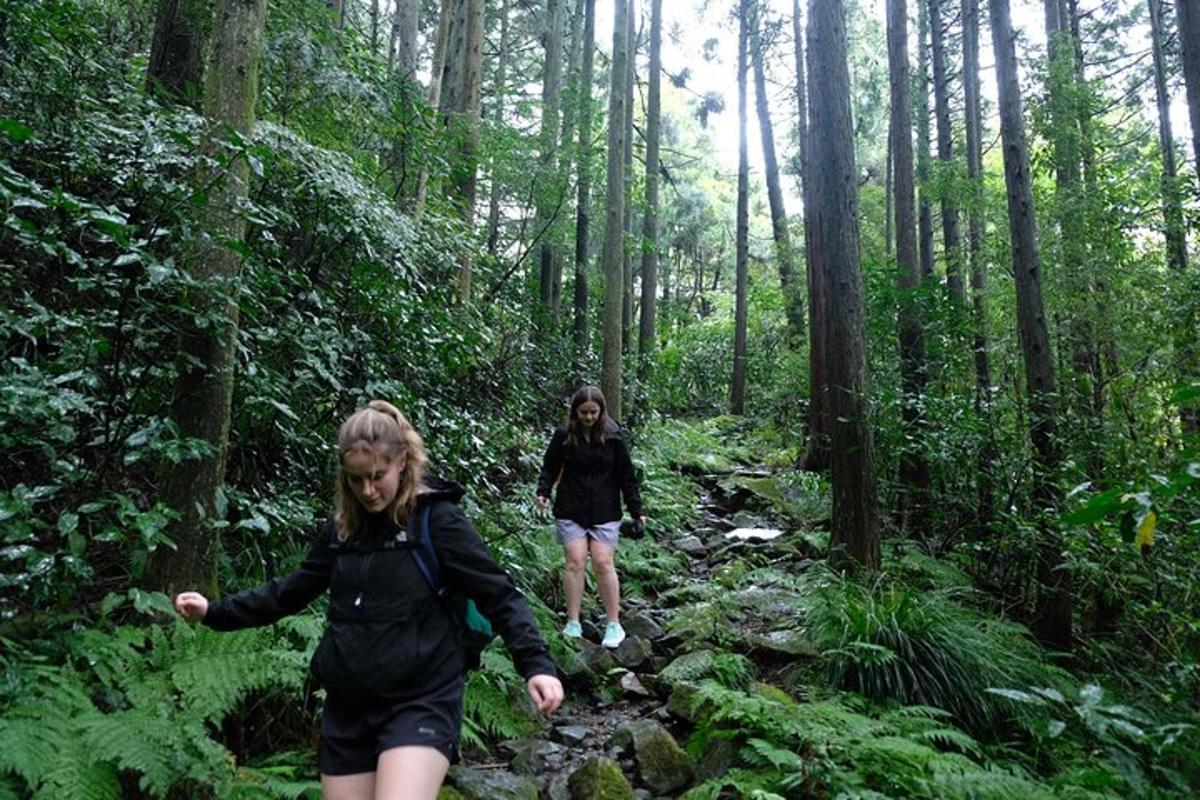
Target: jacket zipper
362,578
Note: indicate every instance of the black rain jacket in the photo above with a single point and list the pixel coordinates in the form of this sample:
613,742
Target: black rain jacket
593,478
388,636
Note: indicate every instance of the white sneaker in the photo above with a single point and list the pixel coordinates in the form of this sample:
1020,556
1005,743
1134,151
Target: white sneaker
614,634
573,630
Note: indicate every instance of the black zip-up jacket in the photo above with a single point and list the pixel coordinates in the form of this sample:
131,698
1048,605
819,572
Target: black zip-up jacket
594,478
388,636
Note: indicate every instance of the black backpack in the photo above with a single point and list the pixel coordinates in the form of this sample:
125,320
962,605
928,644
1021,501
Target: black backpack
475,631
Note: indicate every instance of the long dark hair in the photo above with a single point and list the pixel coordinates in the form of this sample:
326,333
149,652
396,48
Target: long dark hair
576,433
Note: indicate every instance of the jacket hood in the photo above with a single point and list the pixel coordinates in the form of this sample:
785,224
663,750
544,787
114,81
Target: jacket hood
434,487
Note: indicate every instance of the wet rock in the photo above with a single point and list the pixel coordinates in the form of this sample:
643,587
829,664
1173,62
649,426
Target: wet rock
633,652
641,625
571,734
632,686
688,667
662,764
591,633
692,546
598,659
786,643
532,756
559,788
492,784
599,778
682,702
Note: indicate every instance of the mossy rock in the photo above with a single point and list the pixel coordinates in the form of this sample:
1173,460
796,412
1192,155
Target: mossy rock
662,763
774,693
689,667
449,793
599,779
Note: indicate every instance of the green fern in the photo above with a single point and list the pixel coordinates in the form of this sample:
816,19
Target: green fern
494,704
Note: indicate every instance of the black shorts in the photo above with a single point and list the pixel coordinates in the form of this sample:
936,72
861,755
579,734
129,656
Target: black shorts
353,736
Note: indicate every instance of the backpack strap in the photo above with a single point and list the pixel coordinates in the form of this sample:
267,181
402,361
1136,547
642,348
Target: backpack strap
424,555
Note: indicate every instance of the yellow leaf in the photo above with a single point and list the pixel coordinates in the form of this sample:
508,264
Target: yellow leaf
1145,531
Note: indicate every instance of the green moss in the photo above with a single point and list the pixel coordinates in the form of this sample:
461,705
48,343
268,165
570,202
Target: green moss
600,779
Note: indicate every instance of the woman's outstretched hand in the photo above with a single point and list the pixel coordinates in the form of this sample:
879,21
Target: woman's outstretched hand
193,606
546,692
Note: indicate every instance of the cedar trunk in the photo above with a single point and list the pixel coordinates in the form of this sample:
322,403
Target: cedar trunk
584,188
614,218
646,331
737,391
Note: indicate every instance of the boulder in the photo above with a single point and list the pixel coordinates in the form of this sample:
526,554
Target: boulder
641,625
599,778
571,735
662,764
492,784
633,652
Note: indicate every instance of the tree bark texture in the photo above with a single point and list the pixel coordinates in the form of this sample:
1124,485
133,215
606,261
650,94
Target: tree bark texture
792,298
584,187
921,88
614,218
402,54
627,255
499,91
647,335
978,265
737,390
855,520
914,472
203,390
566,150
1188,20
951,239
1053,623
177,52
548,189
467,168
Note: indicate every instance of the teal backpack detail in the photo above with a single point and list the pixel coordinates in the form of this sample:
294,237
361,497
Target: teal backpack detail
475,631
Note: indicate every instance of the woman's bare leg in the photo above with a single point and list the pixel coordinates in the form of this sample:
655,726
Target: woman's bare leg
576,552
606,578
360,786
410,773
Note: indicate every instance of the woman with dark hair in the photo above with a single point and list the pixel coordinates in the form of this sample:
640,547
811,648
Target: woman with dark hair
390,660
589,462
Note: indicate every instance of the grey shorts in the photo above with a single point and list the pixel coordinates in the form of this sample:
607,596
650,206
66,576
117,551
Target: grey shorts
605,533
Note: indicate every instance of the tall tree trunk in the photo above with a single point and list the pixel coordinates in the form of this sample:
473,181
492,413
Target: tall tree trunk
627,256
1188,19
941,101
889,196
914,472
646,333
737,391
614,218
467,169
402,54
792,298
816,447
203,390
437,70
374,38
584,187
496,191
924,210
181,32
566,148
834,177
1053,623
547,186
978,266
1173,224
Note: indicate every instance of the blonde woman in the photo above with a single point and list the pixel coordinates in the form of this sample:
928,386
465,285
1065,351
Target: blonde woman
390,661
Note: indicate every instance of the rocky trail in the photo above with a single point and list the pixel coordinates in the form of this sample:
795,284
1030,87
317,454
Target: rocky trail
620,735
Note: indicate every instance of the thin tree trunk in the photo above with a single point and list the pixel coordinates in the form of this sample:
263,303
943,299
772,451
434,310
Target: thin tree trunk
1173,224
402,54
737,391
1053,623
951,238
614,227
584,187
627,255
792,298
1187,15
889,195
816,446
203,391
855,520
468,157
924,210
978,266
181,32
496,191
646,332
566,147
437,71
914,472
548,188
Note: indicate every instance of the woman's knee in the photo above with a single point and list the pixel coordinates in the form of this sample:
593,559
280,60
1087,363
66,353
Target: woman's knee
602,561
576,562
